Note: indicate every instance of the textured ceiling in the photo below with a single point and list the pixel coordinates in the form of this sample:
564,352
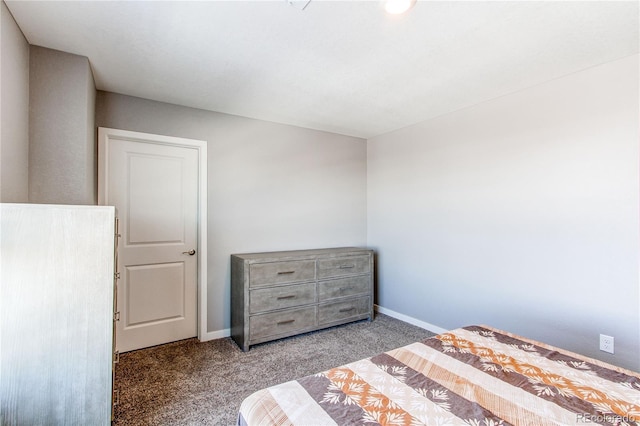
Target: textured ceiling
340,66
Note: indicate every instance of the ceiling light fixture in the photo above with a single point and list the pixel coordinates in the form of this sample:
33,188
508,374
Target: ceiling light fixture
396,7
303,3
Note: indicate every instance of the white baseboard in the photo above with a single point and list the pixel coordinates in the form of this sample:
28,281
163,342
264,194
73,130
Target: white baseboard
212,335
410,320
219,334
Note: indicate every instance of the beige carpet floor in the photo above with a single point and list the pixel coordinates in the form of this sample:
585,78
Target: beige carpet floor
192,383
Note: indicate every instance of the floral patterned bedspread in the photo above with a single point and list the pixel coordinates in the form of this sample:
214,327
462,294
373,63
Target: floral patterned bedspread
470,376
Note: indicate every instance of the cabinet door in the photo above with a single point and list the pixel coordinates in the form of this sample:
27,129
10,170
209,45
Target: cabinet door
56,332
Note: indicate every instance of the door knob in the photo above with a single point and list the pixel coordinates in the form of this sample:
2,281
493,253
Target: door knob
190,252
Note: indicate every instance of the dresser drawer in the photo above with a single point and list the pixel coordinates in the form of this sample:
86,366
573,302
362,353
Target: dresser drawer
344,287
337,311
262,274
343,266
272,298
281,322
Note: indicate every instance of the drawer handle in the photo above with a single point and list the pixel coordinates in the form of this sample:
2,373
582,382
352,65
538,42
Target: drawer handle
347,266
286,322
291,296
286,272
347,309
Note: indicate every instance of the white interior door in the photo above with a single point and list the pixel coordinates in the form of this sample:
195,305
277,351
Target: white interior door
154,187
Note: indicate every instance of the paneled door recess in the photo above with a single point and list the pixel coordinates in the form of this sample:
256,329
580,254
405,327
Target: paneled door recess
154,184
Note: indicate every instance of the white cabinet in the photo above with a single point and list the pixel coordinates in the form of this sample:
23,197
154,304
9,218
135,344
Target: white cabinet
57,311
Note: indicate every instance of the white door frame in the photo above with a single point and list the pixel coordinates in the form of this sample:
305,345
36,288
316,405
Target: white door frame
104,136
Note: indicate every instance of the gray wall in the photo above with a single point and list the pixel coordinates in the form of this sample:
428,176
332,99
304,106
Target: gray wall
62,132
14,137
520,212
271,186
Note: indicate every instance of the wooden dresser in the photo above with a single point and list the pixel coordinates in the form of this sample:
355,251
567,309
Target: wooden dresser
279,294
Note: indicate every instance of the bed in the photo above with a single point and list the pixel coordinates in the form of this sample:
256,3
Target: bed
472,376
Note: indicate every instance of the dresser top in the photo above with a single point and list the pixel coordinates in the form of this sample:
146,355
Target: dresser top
301,254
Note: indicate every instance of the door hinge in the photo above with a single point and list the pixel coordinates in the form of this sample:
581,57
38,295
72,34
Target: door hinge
116,357
116,316
116,275
116,396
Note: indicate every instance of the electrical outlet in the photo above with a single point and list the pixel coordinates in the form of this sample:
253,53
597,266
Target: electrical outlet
606,343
